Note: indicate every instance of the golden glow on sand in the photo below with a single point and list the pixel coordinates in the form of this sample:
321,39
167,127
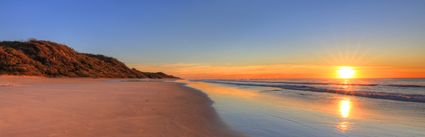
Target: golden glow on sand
345,108
346,72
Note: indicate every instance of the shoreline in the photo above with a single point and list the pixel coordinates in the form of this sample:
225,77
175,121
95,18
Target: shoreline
41,107
268,111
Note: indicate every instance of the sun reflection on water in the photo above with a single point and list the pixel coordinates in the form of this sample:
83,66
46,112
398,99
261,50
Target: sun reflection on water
345,108
343,126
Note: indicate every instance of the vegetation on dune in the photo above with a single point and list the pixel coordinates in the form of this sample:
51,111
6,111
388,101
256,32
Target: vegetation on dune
45,58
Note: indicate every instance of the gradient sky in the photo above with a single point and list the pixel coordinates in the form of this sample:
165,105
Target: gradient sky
233,38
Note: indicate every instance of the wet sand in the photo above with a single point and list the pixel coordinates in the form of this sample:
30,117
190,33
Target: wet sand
61,107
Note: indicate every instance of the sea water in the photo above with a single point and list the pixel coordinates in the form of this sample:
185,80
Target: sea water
319,107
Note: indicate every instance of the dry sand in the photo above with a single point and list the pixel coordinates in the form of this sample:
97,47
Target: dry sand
62,107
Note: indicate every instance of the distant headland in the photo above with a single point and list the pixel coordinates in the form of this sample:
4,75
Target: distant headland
50,59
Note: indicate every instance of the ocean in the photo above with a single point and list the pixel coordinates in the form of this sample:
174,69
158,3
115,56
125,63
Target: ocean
319,107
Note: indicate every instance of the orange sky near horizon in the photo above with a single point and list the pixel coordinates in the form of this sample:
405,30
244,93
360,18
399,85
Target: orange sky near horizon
368,61
194,71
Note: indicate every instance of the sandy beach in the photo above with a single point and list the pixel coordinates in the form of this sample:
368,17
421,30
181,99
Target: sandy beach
64,107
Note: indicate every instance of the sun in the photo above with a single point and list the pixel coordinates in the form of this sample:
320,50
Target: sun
346,72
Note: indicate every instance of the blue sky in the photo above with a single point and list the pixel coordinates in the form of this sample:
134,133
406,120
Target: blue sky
223,32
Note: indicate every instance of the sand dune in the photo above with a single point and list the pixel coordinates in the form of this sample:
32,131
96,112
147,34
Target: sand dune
42,107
